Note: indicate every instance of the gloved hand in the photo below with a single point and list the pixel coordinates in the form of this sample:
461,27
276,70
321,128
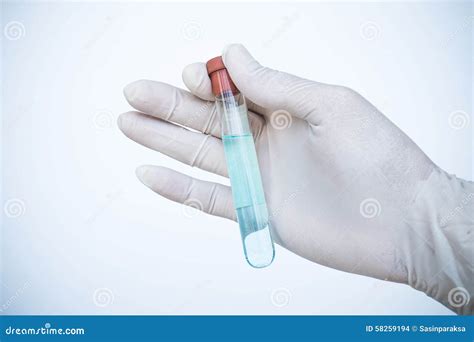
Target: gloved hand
344,186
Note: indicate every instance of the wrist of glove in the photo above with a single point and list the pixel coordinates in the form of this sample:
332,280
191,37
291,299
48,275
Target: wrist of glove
439,255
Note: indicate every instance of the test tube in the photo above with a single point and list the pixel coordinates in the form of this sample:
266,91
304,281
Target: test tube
242,167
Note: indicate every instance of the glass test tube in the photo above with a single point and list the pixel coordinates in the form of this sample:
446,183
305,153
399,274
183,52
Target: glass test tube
242,166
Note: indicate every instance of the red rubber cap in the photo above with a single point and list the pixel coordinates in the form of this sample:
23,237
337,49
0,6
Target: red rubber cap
220,78
215,64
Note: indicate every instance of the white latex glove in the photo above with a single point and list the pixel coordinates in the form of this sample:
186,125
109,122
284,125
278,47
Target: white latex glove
345,187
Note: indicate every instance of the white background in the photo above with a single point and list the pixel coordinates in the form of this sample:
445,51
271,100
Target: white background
89,238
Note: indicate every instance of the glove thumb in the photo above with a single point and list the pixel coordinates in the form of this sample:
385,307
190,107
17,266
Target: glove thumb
269,88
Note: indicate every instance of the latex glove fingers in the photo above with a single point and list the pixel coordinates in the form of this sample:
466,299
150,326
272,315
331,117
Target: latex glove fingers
212,198
179,106
192,148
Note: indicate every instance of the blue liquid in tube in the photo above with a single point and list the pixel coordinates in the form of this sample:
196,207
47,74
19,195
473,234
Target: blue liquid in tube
249,199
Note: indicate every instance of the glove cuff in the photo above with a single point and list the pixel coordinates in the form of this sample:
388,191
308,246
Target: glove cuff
439,254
